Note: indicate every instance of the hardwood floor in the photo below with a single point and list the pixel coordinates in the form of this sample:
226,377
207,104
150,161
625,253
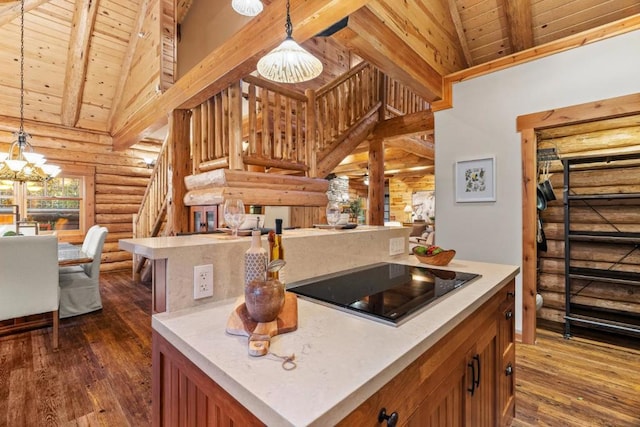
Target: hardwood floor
102,373
578,382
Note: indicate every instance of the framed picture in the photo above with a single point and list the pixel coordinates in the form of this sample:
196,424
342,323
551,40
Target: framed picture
476,180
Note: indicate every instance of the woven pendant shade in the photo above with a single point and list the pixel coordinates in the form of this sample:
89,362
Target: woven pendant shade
289,62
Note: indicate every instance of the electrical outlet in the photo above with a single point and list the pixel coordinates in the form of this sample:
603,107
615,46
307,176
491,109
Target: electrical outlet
396,246
202,281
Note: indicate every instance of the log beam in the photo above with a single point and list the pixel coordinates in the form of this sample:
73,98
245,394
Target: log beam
84,18
409,124
370,38
520,24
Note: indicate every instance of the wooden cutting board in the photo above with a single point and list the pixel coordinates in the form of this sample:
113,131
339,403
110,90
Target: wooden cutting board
240,323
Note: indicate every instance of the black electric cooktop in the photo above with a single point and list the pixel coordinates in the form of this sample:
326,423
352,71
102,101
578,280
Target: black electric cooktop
387,292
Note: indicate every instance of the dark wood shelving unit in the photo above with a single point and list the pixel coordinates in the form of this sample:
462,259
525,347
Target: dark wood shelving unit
580,314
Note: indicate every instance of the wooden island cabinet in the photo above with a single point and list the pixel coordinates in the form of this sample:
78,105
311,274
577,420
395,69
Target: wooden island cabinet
465,379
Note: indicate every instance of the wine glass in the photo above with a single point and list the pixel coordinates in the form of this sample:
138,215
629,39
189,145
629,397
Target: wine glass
234,214
333,214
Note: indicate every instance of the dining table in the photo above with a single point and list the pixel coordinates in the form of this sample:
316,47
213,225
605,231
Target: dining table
69,254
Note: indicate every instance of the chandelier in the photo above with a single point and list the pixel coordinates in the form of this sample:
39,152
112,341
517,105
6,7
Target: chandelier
247,7
21,163
289,62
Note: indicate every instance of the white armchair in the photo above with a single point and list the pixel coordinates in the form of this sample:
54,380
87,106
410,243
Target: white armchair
29,278
421,235
80,290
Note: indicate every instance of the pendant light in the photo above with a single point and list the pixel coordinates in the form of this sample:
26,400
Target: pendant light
289,62
247,7
21,163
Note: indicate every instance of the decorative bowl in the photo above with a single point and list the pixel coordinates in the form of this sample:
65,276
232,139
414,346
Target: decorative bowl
441,259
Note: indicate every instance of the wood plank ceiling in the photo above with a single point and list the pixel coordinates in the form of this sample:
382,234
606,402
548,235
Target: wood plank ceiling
87,62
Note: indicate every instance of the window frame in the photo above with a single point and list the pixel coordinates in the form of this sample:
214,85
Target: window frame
87,207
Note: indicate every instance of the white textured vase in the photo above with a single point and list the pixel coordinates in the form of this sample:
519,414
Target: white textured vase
255,259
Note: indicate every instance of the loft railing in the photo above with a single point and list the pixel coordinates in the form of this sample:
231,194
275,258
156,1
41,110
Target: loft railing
344,101
402,100
270,133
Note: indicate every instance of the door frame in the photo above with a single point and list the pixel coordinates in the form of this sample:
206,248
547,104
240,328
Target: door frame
527,126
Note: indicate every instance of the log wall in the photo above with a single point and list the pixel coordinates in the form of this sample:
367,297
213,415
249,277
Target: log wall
595,215
401,190
120,178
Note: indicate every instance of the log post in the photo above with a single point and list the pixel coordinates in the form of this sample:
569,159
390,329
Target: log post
235,127
376,163
180,166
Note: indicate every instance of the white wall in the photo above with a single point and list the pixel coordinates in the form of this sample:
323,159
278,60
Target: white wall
483,122
207,25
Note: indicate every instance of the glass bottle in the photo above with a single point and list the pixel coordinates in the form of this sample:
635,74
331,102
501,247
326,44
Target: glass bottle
276,251
255,259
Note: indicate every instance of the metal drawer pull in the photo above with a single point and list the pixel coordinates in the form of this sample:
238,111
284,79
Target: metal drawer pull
508,315
509,370
391,419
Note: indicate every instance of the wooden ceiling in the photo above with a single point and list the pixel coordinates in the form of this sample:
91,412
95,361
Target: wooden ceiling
87,62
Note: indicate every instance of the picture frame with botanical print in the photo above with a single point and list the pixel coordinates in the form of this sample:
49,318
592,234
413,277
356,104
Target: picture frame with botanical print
475,180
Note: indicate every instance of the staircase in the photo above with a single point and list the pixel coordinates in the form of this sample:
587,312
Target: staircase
259,126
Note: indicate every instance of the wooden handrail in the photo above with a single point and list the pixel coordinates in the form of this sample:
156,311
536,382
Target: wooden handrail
274,87
341,79
154,201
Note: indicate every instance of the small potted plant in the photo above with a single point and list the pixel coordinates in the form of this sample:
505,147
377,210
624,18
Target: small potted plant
355,207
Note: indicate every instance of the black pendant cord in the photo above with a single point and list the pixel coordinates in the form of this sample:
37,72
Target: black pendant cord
21,67
288,27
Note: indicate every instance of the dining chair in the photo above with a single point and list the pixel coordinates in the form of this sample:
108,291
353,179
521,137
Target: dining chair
80,290
85,246
28,281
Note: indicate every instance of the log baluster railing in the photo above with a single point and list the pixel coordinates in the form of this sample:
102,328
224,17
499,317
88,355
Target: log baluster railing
274,126
149,219
344,101
270,133
402,100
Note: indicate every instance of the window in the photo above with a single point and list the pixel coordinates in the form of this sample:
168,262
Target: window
59,204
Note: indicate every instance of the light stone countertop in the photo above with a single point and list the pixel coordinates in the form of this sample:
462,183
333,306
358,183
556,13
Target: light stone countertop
342,359
163,246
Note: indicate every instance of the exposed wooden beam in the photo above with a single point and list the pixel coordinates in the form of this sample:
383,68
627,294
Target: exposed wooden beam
462,37
11,11
409,124
412,145
84,18
125,71
168,43
520,23
371,39
229,62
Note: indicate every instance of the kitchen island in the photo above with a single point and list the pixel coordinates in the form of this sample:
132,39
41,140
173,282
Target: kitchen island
348,367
